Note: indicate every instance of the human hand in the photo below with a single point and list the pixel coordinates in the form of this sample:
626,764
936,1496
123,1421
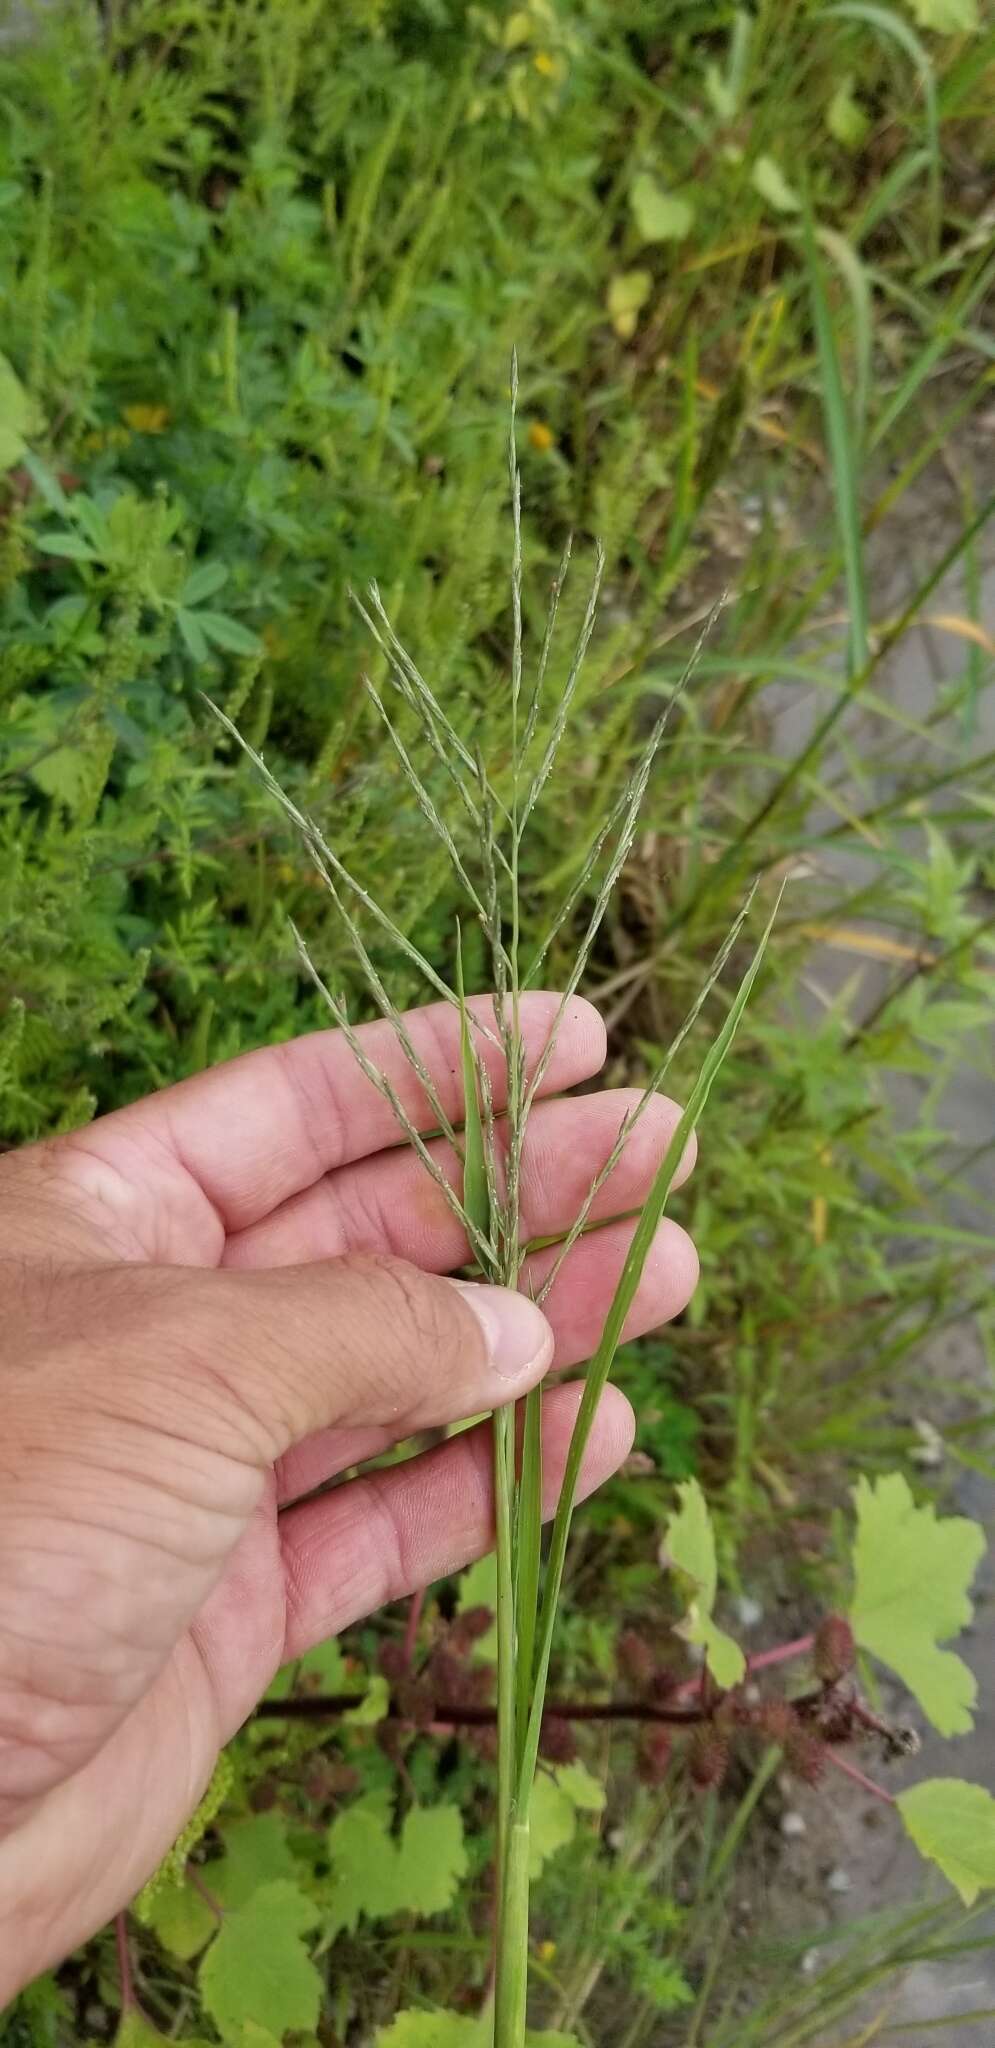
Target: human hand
211,1303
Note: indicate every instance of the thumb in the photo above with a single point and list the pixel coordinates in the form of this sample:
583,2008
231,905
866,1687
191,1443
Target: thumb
363,1340
144,1408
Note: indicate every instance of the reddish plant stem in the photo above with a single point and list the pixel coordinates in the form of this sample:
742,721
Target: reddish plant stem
765,1659
866,1784
315,1706
128,1998
210,1899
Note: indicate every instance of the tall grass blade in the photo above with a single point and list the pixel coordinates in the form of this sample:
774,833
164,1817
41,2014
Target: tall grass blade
611,1335
528,1548
843,459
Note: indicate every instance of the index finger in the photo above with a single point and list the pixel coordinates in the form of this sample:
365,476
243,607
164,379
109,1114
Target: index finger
217,1153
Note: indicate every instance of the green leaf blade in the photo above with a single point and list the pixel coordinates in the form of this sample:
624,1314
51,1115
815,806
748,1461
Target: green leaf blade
952,1823
912,1571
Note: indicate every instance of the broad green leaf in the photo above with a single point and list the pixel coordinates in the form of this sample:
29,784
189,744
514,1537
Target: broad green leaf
845,117
181,1920
689,1548
455,2030
64,775
256,1853
358,1847
946,17
258,1969
583,1791
953,1824
15,416
628,292
135,2031
375,1875
912,1571
229,633
552,1821
769,180
659,216
429,1861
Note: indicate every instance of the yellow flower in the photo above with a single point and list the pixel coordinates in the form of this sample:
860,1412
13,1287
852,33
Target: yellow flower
546,64
146,419
541,437
547,1950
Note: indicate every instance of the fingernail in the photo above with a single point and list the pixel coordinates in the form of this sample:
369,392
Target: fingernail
518,1337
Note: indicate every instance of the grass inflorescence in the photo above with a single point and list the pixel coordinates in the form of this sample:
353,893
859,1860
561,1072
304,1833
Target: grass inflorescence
486,1199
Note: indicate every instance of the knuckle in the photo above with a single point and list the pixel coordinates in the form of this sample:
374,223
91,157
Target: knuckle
403,1317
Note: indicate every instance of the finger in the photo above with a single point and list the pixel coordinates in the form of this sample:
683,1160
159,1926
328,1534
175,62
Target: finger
391,1532
576,1309
390,1203
170,1176
582,1293
246,1364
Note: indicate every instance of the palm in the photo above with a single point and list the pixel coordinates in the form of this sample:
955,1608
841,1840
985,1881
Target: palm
221,1564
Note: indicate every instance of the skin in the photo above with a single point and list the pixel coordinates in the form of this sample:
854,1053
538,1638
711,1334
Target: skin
210,1303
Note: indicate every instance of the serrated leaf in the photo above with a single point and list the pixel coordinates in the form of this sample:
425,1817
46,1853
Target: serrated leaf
912,1571
953,1824
659,216
552,1821
229,633
258,1969
946,17
377,1876
429,1861
583,1791
256,1853
628,292
689,1548
769,180
181,1920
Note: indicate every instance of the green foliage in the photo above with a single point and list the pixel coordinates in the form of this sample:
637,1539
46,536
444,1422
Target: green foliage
258,1970
452,2030
912,1571
261,269
689,1550
954,1825
558,1798
378,1877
